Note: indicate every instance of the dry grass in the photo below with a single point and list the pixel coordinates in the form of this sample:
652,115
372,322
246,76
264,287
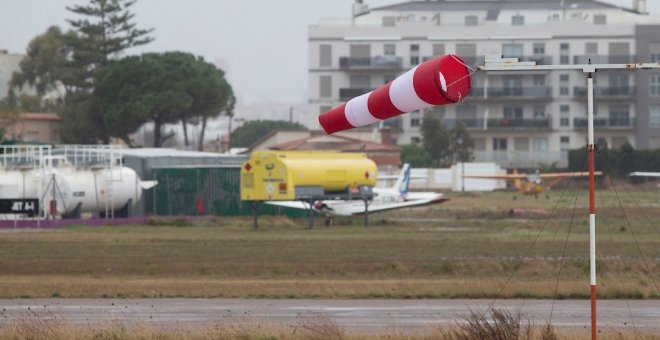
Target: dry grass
466,247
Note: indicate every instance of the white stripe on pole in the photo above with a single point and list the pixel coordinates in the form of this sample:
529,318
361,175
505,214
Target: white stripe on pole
357,111
592,247
403,95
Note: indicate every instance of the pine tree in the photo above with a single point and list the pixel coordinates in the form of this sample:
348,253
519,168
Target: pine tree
104,32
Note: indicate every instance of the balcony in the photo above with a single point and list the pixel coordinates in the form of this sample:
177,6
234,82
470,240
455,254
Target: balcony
513,93
617,92
501,123
378,63
347,93
607,123
604,59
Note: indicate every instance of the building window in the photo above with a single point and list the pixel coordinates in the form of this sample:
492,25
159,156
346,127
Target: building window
655,58
438,49
513,112
619,115
655,85
539,80
564,121
564,77
654,116
564,91
591,48
517,20
564,108
565,140
564,47
539,111
324,109
389,49
512,50
414,54
415,140
563,59
499,144
540,144
539,49
325,55
415,119
325,86
471,20
600,19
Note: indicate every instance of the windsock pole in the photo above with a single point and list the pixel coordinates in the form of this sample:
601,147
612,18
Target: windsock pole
591,150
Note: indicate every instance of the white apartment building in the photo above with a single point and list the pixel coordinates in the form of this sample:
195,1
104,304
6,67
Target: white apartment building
526,118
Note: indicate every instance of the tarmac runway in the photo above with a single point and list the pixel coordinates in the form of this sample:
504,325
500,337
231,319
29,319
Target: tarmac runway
377,315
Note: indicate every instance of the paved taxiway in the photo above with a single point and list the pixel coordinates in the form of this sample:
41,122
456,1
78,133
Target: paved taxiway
350,314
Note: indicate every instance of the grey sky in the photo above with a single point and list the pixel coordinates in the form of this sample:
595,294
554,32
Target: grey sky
261,43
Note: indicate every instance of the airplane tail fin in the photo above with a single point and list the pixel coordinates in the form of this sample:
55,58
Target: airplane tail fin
403,181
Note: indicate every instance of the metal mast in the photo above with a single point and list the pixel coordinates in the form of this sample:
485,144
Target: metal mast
497,63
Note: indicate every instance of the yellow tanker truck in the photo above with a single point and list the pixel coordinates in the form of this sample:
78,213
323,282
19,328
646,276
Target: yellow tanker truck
306,175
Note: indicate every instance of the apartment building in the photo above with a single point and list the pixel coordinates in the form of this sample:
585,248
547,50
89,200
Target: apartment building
523,118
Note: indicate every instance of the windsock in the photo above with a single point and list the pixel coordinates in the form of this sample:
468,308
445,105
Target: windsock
439,81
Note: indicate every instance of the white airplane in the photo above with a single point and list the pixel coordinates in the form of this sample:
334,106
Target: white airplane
395,197
644,174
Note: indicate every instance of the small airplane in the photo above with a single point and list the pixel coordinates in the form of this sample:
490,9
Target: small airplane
644,174
395,197
532,184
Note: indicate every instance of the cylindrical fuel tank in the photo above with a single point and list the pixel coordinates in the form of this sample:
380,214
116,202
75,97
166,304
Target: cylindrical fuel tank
275,175
17,184
94,190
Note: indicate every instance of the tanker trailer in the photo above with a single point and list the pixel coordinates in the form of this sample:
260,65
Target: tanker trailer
302,175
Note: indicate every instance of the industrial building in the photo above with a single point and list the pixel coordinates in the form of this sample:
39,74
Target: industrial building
523,119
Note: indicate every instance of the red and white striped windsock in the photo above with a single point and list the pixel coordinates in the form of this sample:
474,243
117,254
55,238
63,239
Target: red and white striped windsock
439,81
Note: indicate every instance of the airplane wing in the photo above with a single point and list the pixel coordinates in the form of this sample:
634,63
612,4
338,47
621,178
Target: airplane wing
438,198
568,174
644,174
505,177
290,204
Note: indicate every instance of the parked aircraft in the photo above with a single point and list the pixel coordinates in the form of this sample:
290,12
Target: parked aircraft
644,174
533,184
395,197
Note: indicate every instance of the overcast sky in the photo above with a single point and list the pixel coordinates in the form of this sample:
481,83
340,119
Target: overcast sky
261,43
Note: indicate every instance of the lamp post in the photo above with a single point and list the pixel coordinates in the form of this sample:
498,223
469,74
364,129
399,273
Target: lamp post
459,141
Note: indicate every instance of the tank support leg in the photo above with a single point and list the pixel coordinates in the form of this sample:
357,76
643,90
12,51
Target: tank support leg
255,214
366,212
310,222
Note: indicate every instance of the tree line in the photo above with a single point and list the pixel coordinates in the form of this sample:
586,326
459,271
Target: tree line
617,163
440,146
84,75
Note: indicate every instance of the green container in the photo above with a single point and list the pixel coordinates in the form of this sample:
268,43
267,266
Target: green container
191,191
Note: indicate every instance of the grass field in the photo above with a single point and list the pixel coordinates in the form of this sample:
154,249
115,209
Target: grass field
467,247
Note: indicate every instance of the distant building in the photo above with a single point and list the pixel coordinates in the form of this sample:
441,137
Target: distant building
386,156
34,127
9,63
525,118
